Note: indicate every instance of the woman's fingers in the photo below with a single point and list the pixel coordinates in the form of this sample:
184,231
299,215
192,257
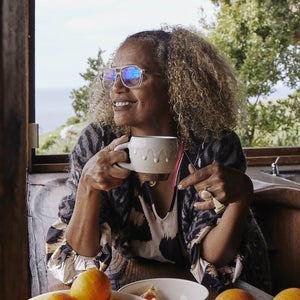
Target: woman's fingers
209,184
102,172
225,184
197,177
121,140
119,172
110,157
192,168
204,205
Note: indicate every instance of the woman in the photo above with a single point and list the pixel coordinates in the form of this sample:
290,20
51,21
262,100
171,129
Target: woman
170,83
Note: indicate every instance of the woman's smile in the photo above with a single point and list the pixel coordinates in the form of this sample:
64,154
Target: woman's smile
122,104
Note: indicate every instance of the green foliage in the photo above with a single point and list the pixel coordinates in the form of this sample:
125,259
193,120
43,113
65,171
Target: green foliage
62,139
80,96
276,123
49,141
73,120
259,37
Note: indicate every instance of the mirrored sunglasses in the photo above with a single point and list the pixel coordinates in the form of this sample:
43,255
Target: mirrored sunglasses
131,76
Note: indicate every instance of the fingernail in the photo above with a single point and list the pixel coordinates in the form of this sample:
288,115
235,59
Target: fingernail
197,204
180,187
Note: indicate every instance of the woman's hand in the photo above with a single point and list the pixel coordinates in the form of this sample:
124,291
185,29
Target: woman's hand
101,172
226,184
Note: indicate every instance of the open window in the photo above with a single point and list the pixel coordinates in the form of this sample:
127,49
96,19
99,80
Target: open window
58,162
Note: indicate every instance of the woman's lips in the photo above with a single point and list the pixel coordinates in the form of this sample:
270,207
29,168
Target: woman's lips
122,104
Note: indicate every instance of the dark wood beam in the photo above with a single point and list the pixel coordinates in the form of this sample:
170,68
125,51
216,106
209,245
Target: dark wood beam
13,149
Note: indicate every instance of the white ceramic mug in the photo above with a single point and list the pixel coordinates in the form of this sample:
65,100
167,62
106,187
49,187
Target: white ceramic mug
151,154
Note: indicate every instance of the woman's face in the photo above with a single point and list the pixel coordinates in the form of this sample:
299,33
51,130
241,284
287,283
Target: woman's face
145,109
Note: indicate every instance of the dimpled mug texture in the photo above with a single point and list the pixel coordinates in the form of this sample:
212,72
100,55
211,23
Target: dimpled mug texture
151,154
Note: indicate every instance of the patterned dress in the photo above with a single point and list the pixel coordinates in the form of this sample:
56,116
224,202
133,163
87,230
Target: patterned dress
136,243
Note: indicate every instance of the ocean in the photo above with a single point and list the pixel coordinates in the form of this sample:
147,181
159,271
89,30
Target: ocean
53,107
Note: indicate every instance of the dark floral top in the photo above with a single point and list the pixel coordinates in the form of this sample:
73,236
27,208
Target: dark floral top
134,235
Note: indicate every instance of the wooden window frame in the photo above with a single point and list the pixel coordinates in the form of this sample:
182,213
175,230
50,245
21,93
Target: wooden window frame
60,162
255,157
39,163
14,37
267,155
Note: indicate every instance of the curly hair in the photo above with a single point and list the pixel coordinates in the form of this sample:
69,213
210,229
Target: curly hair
205,96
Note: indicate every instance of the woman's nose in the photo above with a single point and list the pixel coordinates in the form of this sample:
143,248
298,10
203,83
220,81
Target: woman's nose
118,85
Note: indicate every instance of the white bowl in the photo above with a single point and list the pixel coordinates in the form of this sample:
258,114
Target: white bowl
168,289
115,295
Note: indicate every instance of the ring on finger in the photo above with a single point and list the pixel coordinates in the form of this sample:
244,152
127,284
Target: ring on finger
206,195
219,207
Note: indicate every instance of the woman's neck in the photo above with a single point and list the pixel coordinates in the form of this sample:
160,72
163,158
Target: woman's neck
154,130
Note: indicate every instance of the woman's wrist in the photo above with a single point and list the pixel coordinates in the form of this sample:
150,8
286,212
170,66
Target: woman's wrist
85,187
245,196
240,207
83,230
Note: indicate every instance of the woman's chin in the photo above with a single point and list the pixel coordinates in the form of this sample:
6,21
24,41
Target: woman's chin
122,122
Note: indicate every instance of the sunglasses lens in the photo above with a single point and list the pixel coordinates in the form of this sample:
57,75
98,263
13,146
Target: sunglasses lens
131,76
109,77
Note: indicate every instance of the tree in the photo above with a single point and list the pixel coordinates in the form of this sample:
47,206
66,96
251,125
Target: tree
278,122
261,38
80,96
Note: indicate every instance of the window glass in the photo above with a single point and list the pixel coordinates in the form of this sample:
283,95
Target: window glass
68,33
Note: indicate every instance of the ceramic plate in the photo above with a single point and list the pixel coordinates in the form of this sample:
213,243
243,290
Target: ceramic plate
168,289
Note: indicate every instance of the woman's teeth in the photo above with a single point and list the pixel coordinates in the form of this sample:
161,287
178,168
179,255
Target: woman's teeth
122,103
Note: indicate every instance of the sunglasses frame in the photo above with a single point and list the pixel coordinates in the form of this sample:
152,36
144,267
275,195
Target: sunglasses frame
119,70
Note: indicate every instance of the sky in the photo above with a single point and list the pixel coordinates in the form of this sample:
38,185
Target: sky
68,32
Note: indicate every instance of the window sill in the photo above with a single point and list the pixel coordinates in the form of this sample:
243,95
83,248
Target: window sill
266,155
254,156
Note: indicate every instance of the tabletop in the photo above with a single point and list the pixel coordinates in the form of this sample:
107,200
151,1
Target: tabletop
55,285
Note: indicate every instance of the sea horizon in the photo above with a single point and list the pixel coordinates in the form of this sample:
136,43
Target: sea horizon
54,106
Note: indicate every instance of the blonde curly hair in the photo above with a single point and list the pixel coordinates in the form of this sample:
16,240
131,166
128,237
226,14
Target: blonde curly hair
205,96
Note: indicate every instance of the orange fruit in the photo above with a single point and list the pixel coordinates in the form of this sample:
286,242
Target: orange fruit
91,285
58,296
288,294
235,294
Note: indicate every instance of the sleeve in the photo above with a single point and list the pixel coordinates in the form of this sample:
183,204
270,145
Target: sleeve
63,261
227,150
196,224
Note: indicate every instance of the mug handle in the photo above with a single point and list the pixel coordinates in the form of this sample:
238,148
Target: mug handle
125,165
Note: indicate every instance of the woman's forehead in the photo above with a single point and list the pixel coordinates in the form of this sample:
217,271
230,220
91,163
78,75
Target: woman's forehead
135,52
